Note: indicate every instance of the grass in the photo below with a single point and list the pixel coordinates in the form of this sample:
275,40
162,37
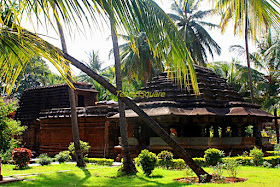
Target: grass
107,176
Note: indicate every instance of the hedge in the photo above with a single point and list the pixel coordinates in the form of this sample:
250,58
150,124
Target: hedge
101,161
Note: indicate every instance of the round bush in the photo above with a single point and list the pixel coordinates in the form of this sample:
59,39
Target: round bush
84,147
44,159
213,156
21,157
148,161
165,159
63,156
257,156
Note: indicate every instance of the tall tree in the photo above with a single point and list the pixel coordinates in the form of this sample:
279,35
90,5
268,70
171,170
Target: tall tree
128,165
250,17
190,23
74,116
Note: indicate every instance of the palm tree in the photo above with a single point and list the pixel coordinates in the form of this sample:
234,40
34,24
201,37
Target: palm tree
128,165
190,23
95,64
237,76
267,58
157,25
74,116
141,65
250,17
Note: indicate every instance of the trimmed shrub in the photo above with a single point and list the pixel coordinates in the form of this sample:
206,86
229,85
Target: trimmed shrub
178,164
273,160
21,157
84,147
63,156
257,156
44,159
243,160
148,161
213,156
101,161
273,153
165,159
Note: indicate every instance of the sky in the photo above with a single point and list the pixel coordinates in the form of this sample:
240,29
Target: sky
79,45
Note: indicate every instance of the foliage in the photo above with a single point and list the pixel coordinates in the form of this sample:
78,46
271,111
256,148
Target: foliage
213,156
63,156
178,164
94,63
148,161
9,128
218,172
266,164
44,159
35,73
273,160
257,156
249,130
190,22
21,156
244,160
84,147
232,166
139,66
200,161
165,159
101,161
273,153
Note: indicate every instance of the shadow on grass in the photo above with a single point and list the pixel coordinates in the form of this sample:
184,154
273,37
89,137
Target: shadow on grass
23,168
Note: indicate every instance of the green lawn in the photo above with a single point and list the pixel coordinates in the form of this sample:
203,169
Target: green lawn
106,176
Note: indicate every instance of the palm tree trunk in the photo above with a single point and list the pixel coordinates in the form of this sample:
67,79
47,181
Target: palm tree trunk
201,173
248,58
74,118
128,165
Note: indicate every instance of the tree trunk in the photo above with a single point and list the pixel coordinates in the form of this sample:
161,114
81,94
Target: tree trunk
248,58
203,175
74,118
128,165
276,125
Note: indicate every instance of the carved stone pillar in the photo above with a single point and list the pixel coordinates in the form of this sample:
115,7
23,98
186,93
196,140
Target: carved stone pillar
239,130
257,133
216,131
203,130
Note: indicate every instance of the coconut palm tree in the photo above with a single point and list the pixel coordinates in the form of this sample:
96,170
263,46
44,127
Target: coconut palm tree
141,65
128,165
190,23
237,76
250,17
72,100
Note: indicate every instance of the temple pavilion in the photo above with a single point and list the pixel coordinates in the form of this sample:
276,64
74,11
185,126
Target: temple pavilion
217,117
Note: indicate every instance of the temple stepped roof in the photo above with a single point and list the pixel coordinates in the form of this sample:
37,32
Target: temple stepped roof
90,111
216,98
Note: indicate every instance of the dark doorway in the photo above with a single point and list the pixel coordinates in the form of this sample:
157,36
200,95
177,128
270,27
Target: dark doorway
81,101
